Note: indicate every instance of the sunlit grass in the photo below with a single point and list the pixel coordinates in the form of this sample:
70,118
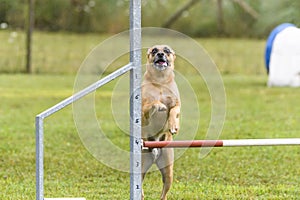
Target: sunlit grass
58,53
51,53
252,111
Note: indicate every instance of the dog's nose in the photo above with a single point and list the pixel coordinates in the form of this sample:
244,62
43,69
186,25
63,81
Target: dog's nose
160,54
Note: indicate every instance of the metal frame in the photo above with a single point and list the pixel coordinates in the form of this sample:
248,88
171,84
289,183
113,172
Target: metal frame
135,109
135,117
135,101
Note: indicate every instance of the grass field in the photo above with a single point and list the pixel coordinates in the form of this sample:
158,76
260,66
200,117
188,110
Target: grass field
62,53
252,111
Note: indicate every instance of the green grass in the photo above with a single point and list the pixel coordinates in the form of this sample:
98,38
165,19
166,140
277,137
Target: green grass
58,53
252,111
51,53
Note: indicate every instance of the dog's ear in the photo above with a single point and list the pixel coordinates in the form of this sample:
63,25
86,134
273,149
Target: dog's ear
149,52
173,52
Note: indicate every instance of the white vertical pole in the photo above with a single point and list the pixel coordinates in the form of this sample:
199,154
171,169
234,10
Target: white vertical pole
39,158
135,101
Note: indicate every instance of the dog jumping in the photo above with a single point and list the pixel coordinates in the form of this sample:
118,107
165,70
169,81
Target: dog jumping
160,112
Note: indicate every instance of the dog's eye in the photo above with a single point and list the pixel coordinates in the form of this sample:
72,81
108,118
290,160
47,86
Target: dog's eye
154,51
167,51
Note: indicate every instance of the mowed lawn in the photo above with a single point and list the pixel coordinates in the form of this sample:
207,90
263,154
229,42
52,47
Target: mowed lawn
252,111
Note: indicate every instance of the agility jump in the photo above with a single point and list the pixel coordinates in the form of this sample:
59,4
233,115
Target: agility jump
221,143
135,111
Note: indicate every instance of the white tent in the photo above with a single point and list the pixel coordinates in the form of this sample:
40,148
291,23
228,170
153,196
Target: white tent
283,56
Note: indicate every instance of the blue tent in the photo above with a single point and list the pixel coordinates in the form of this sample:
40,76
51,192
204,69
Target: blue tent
270,42
282,56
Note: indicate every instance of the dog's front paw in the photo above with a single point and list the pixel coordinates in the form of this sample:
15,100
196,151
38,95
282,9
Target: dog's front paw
174,120
159,107
174,130
174,126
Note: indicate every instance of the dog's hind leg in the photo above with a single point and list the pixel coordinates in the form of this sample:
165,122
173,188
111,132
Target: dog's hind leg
165,165
147,161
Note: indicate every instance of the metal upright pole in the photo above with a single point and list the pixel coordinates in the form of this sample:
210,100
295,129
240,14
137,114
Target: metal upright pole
135,101
39,158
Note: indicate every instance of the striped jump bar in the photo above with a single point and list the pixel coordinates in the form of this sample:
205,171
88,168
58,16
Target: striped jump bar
80,198
221,143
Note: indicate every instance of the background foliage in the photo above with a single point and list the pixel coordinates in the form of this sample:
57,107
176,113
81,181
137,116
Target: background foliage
111,16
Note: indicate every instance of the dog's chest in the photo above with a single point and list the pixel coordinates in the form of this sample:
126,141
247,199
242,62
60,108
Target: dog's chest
166,95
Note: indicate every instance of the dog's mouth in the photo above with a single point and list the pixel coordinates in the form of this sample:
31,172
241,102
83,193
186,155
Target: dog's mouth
161,63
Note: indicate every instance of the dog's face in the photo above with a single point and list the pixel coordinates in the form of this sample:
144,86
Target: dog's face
161,57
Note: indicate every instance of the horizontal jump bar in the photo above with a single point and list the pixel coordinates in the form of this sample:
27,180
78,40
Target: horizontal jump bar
64,199
221,143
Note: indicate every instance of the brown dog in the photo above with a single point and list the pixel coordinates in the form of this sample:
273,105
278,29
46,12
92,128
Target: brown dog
160,111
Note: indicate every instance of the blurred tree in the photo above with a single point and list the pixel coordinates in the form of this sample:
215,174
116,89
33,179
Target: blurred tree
51,15
30,26
79,12
235,18
241,17
5,7
244,7
247,8
168,23
12,12
220,17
